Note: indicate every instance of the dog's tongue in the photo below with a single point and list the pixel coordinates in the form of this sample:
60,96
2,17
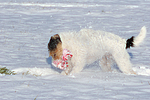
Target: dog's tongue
62,64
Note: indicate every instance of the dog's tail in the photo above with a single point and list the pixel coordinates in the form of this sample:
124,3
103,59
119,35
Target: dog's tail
135,41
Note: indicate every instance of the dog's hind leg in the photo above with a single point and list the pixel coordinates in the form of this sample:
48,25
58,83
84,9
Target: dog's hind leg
106,62
123,61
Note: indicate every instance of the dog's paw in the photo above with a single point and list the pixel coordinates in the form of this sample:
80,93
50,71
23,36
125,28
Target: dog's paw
64,73
133,72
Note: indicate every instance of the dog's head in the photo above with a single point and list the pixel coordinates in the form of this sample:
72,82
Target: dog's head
55,47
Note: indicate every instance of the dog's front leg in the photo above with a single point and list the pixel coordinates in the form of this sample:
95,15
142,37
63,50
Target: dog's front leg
68,69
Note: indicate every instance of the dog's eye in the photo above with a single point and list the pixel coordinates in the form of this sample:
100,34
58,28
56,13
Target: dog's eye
55,55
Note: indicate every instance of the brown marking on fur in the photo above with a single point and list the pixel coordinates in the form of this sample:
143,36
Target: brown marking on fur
54,42
55,47
57,53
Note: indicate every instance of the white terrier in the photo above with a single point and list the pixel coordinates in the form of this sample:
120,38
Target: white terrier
71,51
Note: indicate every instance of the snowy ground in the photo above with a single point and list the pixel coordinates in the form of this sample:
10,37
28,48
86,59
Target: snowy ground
25,29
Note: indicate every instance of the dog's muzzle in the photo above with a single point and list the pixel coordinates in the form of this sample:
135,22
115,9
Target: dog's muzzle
63,64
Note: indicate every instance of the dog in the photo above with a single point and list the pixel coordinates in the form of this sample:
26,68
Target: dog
88,46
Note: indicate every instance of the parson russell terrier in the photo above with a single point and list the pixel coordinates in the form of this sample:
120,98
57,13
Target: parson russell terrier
71,51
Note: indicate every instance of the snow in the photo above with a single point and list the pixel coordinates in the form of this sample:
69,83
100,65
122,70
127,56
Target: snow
25,29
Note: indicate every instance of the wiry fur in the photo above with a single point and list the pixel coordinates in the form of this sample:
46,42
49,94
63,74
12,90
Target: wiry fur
89,45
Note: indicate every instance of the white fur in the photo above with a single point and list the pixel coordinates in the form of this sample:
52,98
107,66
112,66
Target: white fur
89,45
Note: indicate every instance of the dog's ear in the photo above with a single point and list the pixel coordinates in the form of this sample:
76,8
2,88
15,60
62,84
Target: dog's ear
54,41
56,37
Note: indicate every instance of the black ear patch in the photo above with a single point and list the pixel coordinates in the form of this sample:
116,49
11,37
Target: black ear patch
129,42
52,45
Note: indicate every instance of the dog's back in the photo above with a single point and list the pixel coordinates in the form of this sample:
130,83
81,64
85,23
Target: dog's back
91,44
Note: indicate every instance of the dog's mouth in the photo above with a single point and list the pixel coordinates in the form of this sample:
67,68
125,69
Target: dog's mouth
63,62
57,63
